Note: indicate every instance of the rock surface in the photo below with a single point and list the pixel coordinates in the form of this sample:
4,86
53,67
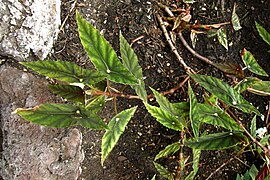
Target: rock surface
30,151
27,27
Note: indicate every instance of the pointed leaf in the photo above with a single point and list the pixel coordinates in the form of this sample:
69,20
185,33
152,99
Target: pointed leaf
117,126
235,19
253,127
261,87
231,68
163,171
169,107
216,141
253,171
72,93
154,177
58,115
92,121
177,22
182,109
96,104
164,118
224,92
213,115
130,61
263,33
245,83
252,64
65,71
195,122
170,149
102,54
196,159
222,37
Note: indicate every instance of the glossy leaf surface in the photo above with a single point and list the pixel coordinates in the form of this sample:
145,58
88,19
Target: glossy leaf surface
235,20
72,93
263,33
193,114
65,71
216,141
61,115
213,115
170,149
163,171
130,61
102,54
117,126
164,118
165,104
252,64
224,92
222,37
245,83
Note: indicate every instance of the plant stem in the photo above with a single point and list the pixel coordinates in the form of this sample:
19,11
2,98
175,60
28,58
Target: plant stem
266,150
130,96
166,34
225,163
180,166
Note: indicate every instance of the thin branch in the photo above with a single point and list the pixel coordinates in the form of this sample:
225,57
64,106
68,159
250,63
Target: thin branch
166,9
267,116
266,150
225,163
130,96
179,58
180,166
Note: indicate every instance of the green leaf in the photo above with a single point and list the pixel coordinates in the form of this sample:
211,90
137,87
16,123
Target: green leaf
263,33
213,115
222,37
117,126
92,121
170,149
216,141
253,171
154,177
102,54
60,115
235,20
182,108
163,171
211,33
72,93
196,159
96,104
65,71
252,64
130,61
245,83
238,177
177,22
253,127
164,118
224,92
195,122
169,107
261,87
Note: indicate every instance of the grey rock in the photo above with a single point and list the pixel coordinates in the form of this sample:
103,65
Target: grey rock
31,151
28,26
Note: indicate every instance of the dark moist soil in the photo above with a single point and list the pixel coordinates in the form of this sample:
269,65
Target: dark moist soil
133,157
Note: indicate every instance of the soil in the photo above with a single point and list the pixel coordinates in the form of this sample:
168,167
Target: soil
133,157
